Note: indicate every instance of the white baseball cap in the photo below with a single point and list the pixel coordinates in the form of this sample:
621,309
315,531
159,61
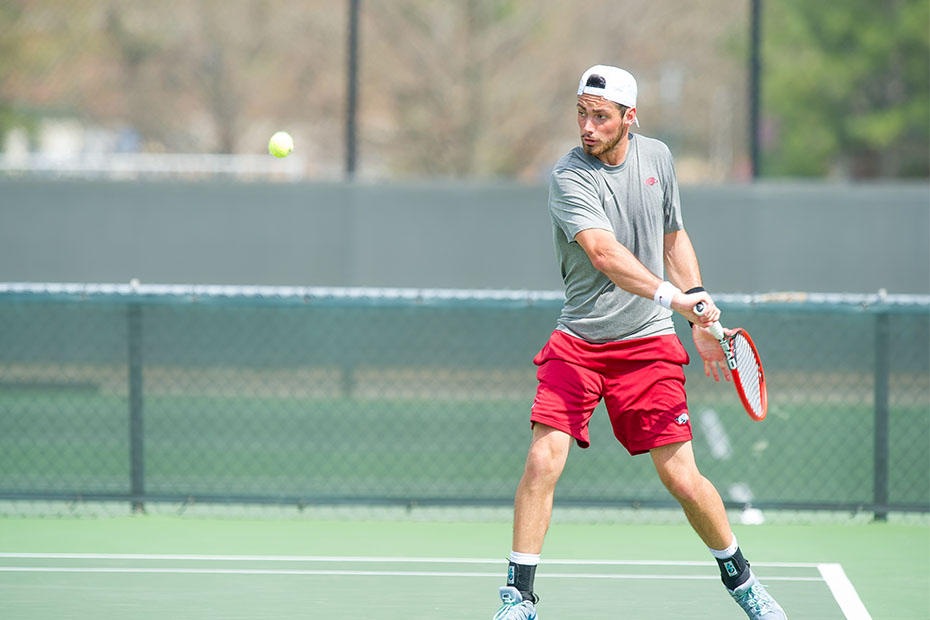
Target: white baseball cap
611,83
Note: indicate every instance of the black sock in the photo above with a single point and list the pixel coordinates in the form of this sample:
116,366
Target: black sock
734,570
521,577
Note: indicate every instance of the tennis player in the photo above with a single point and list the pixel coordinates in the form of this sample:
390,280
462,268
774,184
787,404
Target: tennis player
617,224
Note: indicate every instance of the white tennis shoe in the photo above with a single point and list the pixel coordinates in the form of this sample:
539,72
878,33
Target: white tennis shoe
756,601
514,607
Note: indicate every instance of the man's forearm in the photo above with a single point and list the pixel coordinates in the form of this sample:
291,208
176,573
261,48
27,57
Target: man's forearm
627,272
681,264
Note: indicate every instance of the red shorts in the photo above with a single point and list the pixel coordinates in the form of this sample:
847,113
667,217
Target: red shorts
641,381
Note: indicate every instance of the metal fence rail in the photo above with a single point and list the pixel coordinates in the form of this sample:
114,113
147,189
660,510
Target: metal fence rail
404,396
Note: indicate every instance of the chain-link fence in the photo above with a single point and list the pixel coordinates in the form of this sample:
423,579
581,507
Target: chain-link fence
313,396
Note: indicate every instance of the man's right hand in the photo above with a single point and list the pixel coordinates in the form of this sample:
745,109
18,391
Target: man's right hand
684,304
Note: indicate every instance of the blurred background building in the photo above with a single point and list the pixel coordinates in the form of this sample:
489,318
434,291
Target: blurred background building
478,89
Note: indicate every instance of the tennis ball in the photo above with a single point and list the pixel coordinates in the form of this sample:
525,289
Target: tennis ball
281,144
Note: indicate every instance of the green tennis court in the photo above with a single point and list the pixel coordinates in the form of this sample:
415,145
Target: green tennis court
187,567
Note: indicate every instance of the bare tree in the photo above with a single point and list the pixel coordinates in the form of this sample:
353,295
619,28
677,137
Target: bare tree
475,89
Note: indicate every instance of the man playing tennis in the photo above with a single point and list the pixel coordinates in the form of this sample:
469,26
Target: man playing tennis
617,223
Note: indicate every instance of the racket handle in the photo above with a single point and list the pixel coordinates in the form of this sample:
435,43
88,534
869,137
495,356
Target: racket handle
715,328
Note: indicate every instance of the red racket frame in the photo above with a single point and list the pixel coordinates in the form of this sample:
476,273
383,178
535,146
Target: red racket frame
763,393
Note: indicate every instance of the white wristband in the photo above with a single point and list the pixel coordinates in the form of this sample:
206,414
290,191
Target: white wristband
665,293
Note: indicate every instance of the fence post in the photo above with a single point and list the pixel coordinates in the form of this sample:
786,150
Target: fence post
136,436
881,455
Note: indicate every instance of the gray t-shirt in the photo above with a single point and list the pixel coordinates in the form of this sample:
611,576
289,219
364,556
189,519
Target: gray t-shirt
637,201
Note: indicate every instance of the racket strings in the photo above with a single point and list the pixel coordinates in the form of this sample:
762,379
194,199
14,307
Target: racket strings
748,369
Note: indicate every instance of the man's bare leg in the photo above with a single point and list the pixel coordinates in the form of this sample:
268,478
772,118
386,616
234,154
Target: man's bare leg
532,509
696,494
707,515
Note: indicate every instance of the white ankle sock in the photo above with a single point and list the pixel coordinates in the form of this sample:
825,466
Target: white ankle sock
527,559
722,554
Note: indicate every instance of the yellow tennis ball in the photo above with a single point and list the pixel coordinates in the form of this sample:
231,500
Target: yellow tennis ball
281,144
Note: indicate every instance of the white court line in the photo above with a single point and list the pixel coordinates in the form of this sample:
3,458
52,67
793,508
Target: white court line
352,573
360,560
844,592
832,574
379,560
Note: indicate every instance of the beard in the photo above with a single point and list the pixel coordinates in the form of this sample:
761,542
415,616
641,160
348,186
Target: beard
605,147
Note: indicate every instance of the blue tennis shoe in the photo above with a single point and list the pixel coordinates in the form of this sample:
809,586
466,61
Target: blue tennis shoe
514,607
756,601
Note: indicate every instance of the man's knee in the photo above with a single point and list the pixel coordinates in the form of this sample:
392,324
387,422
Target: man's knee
541,465
547,455
683,481
685,486
678,471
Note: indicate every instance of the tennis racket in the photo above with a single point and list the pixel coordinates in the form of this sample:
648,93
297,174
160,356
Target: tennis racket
745,367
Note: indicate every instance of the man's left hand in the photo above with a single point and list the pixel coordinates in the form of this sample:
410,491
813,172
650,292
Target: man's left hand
715,362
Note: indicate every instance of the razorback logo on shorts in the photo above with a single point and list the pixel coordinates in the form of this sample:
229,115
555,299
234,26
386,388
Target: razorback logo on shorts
682,419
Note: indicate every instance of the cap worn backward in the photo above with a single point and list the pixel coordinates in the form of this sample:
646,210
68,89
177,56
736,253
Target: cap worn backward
611,83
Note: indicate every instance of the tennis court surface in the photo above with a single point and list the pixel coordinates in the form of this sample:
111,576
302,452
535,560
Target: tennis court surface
172,567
